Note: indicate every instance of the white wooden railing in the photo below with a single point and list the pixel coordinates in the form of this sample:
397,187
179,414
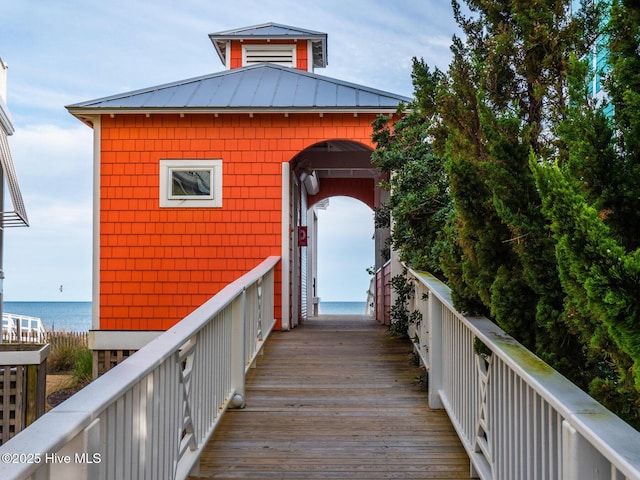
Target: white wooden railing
21,328
149,417
516,416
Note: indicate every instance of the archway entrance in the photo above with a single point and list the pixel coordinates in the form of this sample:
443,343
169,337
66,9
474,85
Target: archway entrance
346,251
326,169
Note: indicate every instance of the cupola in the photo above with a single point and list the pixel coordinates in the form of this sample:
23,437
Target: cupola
271,43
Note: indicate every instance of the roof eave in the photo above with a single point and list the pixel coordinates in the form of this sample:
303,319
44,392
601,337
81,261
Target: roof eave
221,49
246,31
83,113
304,36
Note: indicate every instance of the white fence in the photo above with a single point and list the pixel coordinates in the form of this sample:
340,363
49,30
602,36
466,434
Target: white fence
149,417
516,416
21,328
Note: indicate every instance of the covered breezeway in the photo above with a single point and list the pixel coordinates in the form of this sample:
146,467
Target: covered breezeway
319,172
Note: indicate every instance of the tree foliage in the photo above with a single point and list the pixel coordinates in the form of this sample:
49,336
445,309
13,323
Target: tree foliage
504,94
511,182
592,197
419,199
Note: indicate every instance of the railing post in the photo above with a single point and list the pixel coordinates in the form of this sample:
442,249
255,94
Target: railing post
434,347
238,343
580,460
80,458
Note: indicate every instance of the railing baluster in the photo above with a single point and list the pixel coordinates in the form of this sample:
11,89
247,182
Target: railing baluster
436,354
147,418
137,445
528,406
127,420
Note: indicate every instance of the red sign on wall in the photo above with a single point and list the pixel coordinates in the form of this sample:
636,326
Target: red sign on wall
302,236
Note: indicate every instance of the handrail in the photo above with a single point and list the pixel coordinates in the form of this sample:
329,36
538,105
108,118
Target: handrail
150,416
516,416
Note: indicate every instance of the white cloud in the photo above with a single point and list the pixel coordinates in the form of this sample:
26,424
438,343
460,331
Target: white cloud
52,151
39,97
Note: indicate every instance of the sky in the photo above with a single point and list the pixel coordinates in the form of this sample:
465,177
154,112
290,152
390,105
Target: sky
61,52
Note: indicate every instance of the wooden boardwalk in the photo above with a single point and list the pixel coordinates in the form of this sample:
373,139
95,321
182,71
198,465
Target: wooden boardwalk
336,398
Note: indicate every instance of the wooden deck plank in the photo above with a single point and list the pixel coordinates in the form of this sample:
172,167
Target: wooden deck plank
335,398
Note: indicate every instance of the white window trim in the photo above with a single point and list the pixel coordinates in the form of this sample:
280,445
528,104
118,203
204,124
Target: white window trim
274,47
212,201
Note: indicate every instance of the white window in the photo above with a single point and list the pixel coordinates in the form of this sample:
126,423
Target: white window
280,54
191,183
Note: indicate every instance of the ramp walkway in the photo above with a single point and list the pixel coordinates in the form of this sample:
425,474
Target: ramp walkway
337,397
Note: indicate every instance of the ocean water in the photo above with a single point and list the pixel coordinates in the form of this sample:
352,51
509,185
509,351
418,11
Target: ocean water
343,308
76,316
69,316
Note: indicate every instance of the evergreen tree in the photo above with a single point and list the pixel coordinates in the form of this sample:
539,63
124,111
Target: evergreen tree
505,92
622,201
419,200
592,196
524,193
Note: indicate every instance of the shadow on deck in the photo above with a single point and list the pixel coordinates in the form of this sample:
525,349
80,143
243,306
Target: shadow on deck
335,398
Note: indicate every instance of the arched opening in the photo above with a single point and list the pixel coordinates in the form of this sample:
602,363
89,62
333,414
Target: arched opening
340,170
346,251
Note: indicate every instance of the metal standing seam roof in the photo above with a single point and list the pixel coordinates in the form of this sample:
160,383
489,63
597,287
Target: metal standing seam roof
272,31
262,87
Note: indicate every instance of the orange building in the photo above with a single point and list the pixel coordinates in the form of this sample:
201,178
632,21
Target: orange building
197,181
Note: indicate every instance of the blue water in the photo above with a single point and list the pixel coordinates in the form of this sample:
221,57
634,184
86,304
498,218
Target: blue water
76,316
343,308
69,316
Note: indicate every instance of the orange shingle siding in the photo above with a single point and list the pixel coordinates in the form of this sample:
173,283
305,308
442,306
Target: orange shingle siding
302,56
362,189
235,60
157,265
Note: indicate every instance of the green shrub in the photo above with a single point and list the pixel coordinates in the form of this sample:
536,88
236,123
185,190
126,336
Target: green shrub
62,358
83,367
70,355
